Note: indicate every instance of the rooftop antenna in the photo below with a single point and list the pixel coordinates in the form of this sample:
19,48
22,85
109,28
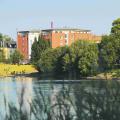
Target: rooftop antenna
52,25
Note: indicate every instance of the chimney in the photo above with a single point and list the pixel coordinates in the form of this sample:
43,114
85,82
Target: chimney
52,25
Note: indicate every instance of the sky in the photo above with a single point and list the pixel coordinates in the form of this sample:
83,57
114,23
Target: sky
95,15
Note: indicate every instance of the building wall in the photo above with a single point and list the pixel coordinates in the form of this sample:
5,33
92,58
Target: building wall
25,41
62,38
22,44
57,38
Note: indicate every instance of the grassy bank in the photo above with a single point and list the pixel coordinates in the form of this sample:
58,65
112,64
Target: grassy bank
109,75
8,69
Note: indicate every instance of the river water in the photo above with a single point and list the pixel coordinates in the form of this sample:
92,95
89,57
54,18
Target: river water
29,98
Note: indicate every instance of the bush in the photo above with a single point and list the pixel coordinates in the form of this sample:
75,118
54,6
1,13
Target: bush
82,58
51,60
16,57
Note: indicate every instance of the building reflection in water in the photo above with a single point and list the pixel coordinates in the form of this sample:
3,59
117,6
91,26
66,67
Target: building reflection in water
24,94
15,91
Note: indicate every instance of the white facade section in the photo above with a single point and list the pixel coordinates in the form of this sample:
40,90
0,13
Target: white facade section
66,37
31,39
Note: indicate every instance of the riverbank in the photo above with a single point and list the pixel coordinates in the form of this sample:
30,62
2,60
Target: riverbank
109,75
9,70
29,70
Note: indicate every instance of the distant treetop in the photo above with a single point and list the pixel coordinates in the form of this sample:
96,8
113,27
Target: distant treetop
5,37
116,26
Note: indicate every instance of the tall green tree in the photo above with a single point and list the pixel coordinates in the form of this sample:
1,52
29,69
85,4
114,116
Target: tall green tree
4,38
51,60
116,26
109,48
110,51
1,38
82,58
38,48
2,57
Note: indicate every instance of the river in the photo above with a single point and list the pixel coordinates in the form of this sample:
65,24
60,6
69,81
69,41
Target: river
29,98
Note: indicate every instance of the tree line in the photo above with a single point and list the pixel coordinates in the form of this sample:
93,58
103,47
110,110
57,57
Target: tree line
15,56
83,57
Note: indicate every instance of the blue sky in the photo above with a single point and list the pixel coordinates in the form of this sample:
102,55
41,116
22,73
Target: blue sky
96,15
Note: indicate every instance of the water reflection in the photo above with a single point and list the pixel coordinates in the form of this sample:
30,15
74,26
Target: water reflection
24,95
23,98
15,92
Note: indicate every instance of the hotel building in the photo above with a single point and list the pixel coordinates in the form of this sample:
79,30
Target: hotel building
57,37
25,40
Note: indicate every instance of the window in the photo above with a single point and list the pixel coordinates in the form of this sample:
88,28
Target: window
23,43
23,34
56,32
23,39
65,35
31,42
65,41
61,37
61,43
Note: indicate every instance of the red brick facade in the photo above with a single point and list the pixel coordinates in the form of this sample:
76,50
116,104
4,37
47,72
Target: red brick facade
57,38
22,43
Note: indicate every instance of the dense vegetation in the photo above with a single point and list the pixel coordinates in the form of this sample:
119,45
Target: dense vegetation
38,47
16,57
82,57
2,57
3,38
115,26
110,48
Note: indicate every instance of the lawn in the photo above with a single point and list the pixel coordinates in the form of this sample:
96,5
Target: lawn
8,69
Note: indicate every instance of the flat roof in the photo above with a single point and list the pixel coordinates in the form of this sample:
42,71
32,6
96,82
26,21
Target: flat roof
54,29
67,29
29,31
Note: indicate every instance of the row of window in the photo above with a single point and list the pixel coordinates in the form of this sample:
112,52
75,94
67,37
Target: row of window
70,32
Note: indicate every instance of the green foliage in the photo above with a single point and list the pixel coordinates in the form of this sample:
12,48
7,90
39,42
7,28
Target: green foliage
110,51
116,26
82,58
16,57
2,57
51,60
37,48
4,38
1,36
67,64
